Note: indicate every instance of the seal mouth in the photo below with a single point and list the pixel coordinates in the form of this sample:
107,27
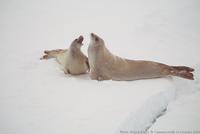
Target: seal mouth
80,39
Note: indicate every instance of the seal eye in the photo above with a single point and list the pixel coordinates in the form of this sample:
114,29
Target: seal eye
96,39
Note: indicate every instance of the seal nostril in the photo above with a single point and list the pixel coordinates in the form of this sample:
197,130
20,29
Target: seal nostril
92,34
96,39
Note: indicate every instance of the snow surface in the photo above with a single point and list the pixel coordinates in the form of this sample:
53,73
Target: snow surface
37,97
183,113
174,110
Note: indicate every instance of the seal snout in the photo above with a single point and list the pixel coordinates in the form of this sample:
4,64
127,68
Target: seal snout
95,37
92,34
80,39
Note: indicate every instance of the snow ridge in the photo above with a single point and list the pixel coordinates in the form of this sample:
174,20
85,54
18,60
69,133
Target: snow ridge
142,119
183,113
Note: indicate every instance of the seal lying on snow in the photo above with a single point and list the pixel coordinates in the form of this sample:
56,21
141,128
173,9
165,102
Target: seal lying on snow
105,66
72,60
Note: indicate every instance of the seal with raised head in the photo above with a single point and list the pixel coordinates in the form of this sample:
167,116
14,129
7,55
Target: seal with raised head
106,66
72,60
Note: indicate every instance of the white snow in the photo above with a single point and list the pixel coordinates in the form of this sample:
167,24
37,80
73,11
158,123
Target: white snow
171,111
183,113
37,97
143,118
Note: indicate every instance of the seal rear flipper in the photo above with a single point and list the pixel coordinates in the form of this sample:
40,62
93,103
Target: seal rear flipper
189,69
182,71
52,53
46,56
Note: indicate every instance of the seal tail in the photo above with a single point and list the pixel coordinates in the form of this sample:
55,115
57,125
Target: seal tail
52,53
182,71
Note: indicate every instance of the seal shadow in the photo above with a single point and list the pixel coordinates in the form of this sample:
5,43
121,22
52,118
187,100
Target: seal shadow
82,76
78,77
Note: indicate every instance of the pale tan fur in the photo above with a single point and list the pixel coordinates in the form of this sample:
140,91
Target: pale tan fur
72,60
105,66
